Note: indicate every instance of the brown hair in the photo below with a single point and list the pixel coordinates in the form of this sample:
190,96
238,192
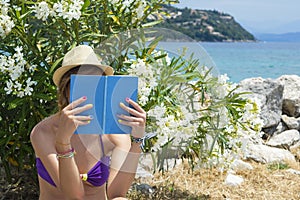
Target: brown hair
64,87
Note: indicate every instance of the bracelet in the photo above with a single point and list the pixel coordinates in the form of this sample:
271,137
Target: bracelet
142,140
69,154
66,152
136,140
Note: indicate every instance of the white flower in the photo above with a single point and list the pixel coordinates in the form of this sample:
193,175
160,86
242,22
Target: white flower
28,90
69,11
4,2
32,68
127,3
9,87
57,9
140,10
114,1
158,111
6,25
222,79
18,86
4,5
42,10
20,94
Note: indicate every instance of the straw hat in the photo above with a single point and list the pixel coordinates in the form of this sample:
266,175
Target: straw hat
80,55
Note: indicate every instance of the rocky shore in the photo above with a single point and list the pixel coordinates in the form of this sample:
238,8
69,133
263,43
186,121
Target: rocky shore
280,111
280,142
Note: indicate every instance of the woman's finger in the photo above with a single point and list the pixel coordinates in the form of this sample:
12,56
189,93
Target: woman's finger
75,103
131,124
81,118
81,123
80,109
131,119
132,111
135,105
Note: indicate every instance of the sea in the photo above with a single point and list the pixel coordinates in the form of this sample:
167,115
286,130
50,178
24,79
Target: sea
255,59
241,60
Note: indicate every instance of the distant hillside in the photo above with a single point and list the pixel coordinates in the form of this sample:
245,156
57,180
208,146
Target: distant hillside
205,25
286,37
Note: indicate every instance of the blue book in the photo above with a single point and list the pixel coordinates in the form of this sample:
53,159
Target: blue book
105,93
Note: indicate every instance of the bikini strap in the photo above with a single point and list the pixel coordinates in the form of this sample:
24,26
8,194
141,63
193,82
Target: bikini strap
102,146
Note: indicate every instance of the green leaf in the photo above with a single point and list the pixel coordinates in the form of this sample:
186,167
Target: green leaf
14,103
151,24
43,96
53,67
86,4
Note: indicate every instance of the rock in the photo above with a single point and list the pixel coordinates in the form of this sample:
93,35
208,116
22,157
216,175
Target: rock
293,171
233,180
280,128
143,188
274,130
269,93
266,154
291,94
239,165
284,139
146,165
291,122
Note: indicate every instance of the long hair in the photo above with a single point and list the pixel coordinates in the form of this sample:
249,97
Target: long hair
64,88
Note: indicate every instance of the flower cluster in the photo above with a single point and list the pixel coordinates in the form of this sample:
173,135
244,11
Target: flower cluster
6,23
66,9
177,122
134,7
16,70
148,77
238,134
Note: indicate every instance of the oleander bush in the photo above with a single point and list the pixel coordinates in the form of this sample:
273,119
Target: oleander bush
189,108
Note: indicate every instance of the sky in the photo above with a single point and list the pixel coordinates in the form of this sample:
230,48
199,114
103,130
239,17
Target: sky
257,16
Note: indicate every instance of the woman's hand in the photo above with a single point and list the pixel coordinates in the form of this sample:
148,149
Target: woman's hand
137,120
69,120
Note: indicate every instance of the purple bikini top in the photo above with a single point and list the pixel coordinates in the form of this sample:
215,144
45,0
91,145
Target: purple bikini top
96,176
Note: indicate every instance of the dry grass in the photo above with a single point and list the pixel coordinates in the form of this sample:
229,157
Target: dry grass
264,182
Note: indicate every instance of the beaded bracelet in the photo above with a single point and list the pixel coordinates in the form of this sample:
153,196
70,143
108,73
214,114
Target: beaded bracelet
69,154
66,152
143,139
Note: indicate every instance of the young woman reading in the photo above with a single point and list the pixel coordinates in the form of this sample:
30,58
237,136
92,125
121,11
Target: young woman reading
74,166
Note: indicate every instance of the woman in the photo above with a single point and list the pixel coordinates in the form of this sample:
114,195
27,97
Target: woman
72,166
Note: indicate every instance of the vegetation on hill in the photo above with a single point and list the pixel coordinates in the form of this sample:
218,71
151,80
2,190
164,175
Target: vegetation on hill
205,25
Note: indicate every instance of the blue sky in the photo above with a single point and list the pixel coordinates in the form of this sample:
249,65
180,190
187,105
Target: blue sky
267,16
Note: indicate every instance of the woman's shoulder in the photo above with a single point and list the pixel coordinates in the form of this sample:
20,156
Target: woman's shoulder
43,129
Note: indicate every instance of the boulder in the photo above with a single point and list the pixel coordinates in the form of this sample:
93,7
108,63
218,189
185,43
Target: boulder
269,93
291,94
266,154
233,180
291,122
285,139
239,165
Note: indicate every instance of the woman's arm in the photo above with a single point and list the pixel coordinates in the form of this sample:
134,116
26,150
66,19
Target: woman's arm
63,170
125,155
124,162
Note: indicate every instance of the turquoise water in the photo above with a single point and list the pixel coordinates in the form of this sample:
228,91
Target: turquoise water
245,60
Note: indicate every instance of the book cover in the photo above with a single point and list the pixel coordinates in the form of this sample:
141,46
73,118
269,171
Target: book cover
105,93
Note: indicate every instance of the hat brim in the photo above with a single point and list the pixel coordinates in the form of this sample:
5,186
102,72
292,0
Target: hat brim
58,74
